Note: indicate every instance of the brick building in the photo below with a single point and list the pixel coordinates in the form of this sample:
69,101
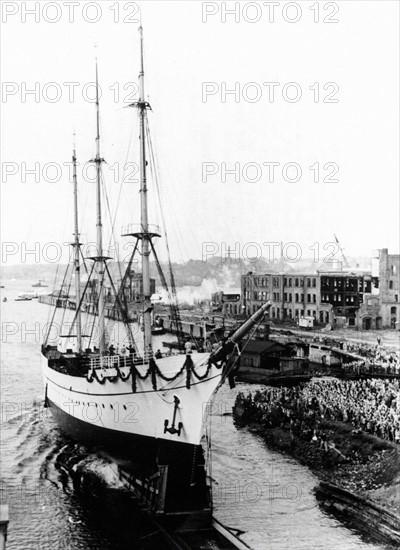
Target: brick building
227,304
389,288
328,297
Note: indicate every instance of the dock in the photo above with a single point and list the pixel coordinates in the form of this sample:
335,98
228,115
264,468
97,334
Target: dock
111,312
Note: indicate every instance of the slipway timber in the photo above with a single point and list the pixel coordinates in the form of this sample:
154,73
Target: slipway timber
181,529
216,536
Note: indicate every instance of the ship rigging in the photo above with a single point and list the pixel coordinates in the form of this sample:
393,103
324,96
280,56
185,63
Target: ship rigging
146,412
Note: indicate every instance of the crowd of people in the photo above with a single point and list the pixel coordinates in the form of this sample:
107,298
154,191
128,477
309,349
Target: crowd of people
371,405
376,359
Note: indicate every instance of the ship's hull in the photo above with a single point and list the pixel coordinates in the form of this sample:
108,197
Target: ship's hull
130,426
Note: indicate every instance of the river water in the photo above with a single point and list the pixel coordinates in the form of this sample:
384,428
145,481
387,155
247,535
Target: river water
264,494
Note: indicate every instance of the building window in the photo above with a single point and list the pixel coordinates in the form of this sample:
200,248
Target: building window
301,282
296,282
391,285
272,312
396,297
285,298
393,310
314,283
290,297
309,298
308,313
314,297
297,298
308,282
275,282
290,281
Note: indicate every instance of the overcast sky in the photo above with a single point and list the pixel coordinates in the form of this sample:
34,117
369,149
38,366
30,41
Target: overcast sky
333,107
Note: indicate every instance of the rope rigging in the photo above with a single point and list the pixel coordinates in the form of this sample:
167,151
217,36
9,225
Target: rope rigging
175,313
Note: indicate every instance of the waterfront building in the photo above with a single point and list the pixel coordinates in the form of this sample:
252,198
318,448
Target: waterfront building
228,304
327,296
389,285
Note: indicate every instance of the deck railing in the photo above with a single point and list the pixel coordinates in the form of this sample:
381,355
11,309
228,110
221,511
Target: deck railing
112,361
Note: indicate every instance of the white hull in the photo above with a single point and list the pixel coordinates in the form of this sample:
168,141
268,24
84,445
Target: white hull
114,406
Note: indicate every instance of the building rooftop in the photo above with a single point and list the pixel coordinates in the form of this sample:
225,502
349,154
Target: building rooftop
256,346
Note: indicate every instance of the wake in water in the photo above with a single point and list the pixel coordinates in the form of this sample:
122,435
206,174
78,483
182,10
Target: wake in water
63,488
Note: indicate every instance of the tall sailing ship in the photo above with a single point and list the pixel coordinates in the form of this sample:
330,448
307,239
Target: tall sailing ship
145,411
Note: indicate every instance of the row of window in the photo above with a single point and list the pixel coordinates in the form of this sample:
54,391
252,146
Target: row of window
348,283
351,284
287,297
234,309
287,281
341,299
289,313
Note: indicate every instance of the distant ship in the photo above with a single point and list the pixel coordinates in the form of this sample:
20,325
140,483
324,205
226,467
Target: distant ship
23,297
40,285
144,410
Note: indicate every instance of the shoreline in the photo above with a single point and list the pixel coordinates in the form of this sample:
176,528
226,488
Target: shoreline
359,473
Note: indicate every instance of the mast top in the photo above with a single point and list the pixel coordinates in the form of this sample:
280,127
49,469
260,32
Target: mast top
141,74
141,104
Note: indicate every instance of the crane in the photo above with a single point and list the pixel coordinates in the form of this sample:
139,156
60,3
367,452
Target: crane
345,262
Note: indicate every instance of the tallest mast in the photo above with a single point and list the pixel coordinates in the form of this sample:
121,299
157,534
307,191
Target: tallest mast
100,259
142,106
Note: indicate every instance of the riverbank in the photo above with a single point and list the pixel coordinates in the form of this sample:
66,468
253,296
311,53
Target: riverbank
359,472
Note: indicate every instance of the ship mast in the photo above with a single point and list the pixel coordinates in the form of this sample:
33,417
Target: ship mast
142,106
100,259
76,246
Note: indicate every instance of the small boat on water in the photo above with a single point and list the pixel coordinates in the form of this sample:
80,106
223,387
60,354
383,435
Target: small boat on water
23,297
39,285
4,299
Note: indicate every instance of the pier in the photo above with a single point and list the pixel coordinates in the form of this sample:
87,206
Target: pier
62,302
